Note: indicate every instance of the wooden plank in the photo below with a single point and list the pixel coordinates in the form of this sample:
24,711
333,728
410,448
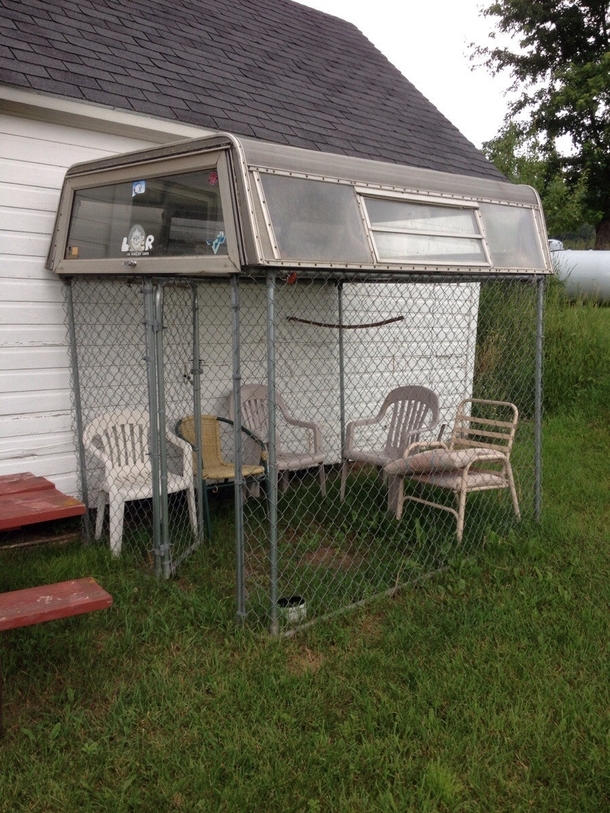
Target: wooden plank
26,500
24,481
22,608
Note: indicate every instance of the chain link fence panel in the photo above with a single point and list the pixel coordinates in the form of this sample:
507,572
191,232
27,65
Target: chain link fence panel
304,365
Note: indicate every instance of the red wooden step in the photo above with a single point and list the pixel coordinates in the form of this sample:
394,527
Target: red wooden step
21,608
26,499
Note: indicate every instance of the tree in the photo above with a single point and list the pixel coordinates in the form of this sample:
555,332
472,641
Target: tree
523,160
560,66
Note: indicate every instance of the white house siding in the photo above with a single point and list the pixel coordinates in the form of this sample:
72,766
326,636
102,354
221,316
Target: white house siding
433,346
36,429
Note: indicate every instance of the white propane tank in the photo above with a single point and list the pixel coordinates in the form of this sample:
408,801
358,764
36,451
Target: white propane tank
585,273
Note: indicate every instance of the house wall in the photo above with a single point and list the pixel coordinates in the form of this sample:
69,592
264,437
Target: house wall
434,346
36,431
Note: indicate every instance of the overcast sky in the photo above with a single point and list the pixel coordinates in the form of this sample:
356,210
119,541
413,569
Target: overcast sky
427,40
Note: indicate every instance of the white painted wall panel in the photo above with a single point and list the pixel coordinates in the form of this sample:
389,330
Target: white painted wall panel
36,432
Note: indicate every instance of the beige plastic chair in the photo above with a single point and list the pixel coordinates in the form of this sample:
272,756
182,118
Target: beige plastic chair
462,465
255,417
216,471
120,442
410,412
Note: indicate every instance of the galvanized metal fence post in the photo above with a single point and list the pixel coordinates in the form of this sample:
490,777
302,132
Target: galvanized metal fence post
151,378
239,480
341,367
538,399
272,436
78,409
196,372
165,546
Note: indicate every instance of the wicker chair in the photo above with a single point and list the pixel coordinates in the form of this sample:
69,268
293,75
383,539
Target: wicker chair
216,472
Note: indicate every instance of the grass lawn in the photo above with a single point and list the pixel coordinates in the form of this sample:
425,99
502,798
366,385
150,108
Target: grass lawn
485,688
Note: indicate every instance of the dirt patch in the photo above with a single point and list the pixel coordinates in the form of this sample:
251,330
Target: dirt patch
305,660
331,557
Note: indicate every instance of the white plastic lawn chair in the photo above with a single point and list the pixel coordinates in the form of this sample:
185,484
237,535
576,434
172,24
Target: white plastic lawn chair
255,417
120,442
462,465
409,412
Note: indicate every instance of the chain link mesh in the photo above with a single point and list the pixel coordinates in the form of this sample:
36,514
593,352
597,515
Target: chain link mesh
307,551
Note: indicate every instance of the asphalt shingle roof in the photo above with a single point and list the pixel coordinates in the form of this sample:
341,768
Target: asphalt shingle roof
269,69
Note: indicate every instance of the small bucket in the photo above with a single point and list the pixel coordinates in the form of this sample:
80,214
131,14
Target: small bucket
292,609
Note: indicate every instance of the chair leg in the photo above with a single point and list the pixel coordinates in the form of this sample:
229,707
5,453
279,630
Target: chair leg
344,469
206,511
190,496
461,512
396,498
99,518
513,490
117,513
322,475
283,479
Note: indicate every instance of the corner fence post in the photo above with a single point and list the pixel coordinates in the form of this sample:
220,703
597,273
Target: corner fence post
538,399
341,367
240,585
151,380
272,441
78,409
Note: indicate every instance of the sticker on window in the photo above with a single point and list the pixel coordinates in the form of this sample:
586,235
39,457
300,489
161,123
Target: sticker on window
138,188
137,243
218,241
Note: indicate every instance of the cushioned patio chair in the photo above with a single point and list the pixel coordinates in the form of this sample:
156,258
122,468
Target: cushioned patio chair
476,458
409,413
216,472
120,442
255,417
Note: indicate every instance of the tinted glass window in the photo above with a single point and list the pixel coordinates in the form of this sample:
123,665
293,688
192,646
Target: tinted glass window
169,216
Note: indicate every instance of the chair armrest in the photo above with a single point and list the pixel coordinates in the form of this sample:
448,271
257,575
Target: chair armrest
349,430
247,432
99,455
187,450
423,447
313,427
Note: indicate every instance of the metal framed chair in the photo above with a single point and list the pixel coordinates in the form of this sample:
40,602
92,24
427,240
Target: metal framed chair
255,417
410,412
216,472
120,442
476,458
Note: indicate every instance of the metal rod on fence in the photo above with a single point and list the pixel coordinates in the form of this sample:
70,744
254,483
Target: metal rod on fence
538,401
78,410
240,586
165,548
196,371
341,367
274,629
151,377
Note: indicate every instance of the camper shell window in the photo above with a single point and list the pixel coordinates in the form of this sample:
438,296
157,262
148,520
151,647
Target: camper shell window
421,232
220,204
167,216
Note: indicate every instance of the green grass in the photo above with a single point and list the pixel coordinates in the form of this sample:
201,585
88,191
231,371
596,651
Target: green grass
484,688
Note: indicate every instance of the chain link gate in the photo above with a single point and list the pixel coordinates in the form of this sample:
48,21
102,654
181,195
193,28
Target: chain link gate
291,374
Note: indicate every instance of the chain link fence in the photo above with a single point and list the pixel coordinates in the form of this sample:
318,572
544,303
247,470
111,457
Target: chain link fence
355,461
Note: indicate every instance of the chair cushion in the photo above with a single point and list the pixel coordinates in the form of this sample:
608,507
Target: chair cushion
438,460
